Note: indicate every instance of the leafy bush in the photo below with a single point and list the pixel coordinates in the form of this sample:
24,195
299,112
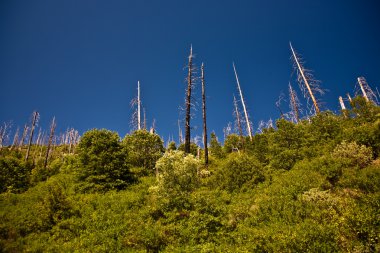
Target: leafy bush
177,177
359,155
102,161
14,174
238,170
143,148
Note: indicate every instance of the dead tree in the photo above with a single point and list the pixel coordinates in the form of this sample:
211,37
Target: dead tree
238,118
342,103
34,122
243,104
204,114
144,118
138,106
180,137
50,142
349,97
306,81
188,101
368,93
4,133
15,138
278,105
294,104
24,133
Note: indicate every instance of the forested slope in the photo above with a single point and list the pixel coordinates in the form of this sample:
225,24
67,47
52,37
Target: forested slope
312,186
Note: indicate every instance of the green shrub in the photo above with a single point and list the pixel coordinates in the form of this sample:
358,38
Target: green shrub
358,155
238,170
14,174
102,161
143,148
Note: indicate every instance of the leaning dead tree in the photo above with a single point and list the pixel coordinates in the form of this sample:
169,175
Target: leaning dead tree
188,101
204,114
243,104
50,142
366,90
294,104
4,133
24,133
237,118
34,122
342,103
306,81
15,139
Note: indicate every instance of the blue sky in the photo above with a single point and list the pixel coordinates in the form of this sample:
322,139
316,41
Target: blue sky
80,60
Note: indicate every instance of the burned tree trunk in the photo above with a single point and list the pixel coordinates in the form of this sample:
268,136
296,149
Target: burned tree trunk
52,129
243,103
34,121
204,115
188,102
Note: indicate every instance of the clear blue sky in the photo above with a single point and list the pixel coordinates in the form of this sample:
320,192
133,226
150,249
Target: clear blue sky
80,60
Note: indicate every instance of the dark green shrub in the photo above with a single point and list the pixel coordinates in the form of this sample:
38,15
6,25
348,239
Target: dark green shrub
102,161
238,170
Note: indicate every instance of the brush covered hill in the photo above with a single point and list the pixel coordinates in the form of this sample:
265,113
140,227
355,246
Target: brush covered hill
307,187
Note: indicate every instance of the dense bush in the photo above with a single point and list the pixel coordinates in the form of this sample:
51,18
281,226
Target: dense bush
102,161
239,170
14,174
143,148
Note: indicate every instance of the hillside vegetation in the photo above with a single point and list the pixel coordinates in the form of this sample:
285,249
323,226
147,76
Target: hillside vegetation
307,187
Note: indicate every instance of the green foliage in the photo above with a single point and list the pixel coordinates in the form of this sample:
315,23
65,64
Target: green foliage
239,170
143,148
102,161
359,155
171,146
193,148
306,187
215,147
14,174
233,142
177,177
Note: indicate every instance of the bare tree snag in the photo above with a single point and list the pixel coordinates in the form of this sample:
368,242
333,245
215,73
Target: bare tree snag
188,102
15,139
243,103
349,97
34,122
204,114
342,103
294,103
50,142
144,119
180,137
138,106
305,80
238,118
368,93
21,143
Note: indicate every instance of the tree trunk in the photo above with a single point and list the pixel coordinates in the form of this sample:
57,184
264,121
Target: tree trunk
243,103
52,128
35,119
204,115
188,102
305,80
